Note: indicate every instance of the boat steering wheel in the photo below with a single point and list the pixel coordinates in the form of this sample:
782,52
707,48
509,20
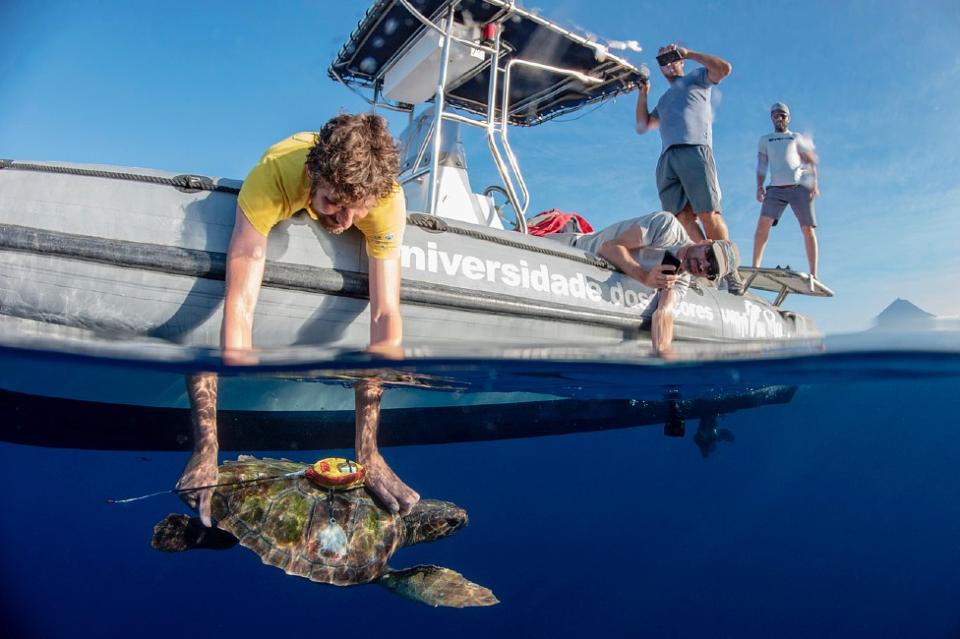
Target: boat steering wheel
498,208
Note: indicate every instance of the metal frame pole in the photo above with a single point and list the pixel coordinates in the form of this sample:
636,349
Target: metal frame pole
438,106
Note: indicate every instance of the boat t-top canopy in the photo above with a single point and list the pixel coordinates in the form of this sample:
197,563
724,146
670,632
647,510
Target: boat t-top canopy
485,57
557,71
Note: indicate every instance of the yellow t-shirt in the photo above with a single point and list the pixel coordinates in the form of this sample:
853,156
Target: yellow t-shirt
278,186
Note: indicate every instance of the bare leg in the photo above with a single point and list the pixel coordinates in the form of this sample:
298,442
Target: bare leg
714,225
810,242
689,222
760,239
380,479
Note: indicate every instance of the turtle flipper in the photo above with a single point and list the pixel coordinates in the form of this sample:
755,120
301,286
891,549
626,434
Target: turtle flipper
436,586
177,532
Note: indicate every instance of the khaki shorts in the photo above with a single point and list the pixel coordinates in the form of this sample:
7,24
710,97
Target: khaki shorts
798,197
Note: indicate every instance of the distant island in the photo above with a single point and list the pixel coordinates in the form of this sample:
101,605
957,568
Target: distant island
903,315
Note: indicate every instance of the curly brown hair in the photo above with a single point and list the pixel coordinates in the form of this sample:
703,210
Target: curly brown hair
355,157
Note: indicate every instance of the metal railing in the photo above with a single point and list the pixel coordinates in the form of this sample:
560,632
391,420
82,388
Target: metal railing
509,170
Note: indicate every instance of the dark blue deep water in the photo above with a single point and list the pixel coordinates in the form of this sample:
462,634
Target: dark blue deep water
834,513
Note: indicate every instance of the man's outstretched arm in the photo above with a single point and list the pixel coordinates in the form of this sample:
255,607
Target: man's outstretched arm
386,339
201,469
246,258
644,120
380,479
661,330
386,324
245,262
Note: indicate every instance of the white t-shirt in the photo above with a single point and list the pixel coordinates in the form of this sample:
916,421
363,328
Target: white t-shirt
783,156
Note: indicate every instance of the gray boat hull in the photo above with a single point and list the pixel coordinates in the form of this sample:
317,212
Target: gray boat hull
91,247
113,264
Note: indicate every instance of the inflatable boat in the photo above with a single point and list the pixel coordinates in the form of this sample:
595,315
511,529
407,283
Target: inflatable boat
91,253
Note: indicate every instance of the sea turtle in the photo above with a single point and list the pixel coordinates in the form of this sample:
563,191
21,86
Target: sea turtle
333,537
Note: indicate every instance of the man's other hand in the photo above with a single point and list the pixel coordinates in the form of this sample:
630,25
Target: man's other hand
814,192
201,470
760,194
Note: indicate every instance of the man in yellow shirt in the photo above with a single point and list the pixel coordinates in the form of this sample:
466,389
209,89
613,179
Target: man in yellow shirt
343,176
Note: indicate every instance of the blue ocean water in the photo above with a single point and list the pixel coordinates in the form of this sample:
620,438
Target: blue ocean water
833,513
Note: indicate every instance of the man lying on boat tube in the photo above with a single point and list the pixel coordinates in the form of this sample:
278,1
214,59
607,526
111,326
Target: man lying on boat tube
343,176
656,251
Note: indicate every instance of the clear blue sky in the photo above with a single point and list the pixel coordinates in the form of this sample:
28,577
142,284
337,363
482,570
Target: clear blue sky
205,87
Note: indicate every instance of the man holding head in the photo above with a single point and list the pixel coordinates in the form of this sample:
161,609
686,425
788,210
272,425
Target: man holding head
793,180
343,176
686,172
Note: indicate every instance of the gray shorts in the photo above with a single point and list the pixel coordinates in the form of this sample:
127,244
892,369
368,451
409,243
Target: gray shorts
798,197
686,173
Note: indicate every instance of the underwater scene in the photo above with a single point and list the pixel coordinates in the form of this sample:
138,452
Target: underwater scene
795,496
467,318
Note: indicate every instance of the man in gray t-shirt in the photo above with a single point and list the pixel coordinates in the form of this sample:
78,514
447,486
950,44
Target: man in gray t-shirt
638,247
686,172
793,180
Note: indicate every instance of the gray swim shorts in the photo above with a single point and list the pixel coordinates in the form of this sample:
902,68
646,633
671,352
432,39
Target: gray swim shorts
687,173
798,197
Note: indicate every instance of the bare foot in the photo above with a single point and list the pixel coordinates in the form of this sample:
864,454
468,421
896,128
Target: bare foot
380,480
201,470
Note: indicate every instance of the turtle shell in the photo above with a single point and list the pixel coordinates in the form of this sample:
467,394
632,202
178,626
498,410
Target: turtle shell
333,537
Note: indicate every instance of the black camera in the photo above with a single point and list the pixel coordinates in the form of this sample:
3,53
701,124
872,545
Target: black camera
667,57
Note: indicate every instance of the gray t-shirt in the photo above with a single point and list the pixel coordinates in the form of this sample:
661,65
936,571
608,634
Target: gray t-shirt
662,233
684,111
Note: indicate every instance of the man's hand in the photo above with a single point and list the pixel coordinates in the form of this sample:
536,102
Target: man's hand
760,194
643,87
201,470
661,276
814,192
380,480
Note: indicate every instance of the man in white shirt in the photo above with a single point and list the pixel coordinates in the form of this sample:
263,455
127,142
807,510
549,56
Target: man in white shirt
793,180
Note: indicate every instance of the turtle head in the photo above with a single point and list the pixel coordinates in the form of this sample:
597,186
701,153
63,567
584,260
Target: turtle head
432,519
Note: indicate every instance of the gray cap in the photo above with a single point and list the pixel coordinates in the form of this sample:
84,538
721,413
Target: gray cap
726,255
780,106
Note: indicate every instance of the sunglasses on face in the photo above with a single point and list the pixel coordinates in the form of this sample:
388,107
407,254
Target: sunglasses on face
712,268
